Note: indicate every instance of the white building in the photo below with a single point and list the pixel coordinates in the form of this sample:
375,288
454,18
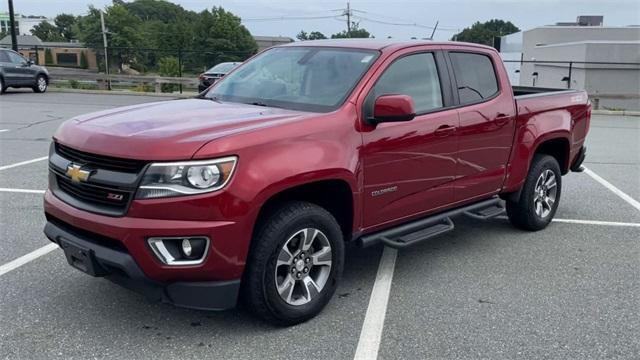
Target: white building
24,24
546,53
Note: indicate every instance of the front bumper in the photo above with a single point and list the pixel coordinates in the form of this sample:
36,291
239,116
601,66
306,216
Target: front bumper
97,258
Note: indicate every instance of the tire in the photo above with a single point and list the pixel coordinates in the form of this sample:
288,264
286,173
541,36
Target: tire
3,87
539,198
269,267
41,84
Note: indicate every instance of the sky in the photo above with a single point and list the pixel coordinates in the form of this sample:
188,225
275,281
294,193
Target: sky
288,17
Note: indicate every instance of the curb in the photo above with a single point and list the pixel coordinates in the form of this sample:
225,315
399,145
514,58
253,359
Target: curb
616,112
121,92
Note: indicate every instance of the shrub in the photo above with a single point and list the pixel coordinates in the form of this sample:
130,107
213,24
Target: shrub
83,60
169,66
48,57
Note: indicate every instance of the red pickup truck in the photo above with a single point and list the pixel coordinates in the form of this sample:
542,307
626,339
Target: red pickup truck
251,190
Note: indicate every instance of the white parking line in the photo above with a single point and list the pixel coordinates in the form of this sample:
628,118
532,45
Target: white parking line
27,191
27,258
3,130
614,189
371,332
596,222
5,167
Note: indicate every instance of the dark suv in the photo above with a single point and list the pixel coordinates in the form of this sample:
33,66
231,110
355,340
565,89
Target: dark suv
16,71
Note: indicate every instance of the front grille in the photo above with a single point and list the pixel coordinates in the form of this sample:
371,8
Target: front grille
99,161
115,199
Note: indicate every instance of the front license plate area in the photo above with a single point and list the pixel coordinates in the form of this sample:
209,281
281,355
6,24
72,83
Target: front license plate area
81,258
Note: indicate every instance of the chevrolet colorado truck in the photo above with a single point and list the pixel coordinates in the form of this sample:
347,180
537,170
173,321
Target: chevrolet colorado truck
251,190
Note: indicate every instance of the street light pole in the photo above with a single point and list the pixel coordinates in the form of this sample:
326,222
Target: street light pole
106,56
12,24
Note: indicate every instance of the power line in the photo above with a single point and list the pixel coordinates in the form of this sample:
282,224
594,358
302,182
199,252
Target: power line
278,18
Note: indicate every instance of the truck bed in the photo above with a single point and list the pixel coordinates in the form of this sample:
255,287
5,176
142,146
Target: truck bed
519,91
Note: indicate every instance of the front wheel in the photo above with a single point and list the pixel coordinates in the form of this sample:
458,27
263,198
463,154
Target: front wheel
540,195
41,84
295,263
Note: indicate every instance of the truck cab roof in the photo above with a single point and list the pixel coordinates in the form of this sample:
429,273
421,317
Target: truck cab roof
380,44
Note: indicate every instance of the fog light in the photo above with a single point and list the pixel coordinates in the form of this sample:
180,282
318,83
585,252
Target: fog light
186,247
180,250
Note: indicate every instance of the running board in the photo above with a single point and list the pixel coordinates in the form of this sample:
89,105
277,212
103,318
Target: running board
420,230
486,213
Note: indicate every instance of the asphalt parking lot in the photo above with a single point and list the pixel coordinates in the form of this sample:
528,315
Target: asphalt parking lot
485,291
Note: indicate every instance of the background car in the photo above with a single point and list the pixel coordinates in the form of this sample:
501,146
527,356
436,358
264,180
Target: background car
16,71
212,75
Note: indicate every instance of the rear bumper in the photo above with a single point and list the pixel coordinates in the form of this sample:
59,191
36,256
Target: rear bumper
87,255
577,163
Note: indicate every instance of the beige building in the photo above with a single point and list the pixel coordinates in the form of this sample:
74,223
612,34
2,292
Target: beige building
54,53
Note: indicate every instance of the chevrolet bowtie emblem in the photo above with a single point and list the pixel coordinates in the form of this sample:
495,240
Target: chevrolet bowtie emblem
77,174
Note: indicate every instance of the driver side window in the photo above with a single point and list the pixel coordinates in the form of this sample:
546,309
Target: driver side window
414,75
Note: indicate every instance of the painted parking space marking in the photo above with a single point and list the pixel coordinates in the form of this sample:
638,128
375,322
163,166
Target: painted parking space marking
3,130
596,222
25,191
633,202
25,259
5,167
371,333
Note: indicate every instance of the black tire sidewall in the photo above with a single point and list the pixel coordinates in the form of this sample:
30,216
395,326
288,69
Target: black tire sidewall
274,238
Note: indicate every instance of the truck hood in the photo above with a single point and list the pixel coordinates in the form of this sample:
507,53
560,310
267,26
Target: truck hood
168,130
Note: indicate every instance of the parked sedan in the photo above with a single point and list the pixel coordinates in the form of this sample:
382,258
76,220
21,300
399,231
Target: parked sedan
16,71
212,75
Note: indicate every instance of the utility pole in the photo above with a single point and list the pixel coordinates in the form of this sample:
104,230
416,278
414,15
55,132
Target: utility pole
348,13
434,30
12,24
106,56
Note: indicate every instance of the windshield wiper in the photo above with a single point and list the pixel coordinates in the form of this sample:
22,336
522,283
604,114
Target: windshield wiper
258,103
213,98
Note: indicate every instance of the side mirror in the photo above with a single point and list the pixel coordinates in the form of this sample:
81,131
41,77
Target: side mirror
30,62
393,108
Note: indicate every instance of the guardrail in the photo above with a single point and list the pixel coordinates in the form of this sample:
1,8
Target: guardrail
105,82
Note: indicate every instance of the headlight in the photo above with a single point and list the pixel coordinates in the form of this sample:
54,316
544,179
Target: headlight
185,178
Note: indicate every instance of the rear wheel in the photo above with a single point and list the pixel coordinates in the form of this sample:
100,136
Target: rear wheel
295,263
2,86
41,84
540,195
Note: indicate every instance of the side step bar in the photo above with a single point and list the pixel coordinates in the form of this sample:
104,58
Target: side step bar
420,230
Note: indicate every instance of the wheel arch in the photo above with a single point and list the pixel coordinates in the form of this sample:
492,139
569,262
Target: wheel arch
334,195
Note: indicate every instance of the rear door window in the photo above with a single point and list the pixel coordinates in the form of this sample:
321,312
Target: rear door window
4,57
475,76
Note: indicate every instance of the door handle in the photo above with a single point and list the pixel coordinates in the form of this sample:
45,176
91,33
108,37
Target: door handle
502,119
444,130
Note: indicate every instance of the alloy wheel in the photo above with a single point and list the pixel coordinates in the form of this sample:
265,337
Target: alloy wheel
545,193
303,266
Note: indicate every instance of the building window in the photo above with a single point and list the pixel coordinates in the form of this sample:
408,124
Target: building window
67,59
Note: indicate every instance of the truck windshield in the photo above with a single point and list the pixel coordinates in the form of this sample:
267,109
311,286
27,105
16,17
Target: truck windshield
297,78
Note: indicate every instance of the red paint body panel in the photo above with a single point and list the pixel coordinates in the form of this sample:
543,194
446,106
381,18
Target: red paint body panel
489,152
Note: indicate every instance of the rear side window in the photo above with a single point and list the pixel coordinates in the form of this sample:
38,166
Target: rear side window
413,75
4,57
475,76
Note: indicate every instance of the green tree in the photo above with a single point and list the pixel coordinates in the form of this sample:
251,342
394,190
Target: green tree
47,32
66,24
356,32
124,33
314,35
483,33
